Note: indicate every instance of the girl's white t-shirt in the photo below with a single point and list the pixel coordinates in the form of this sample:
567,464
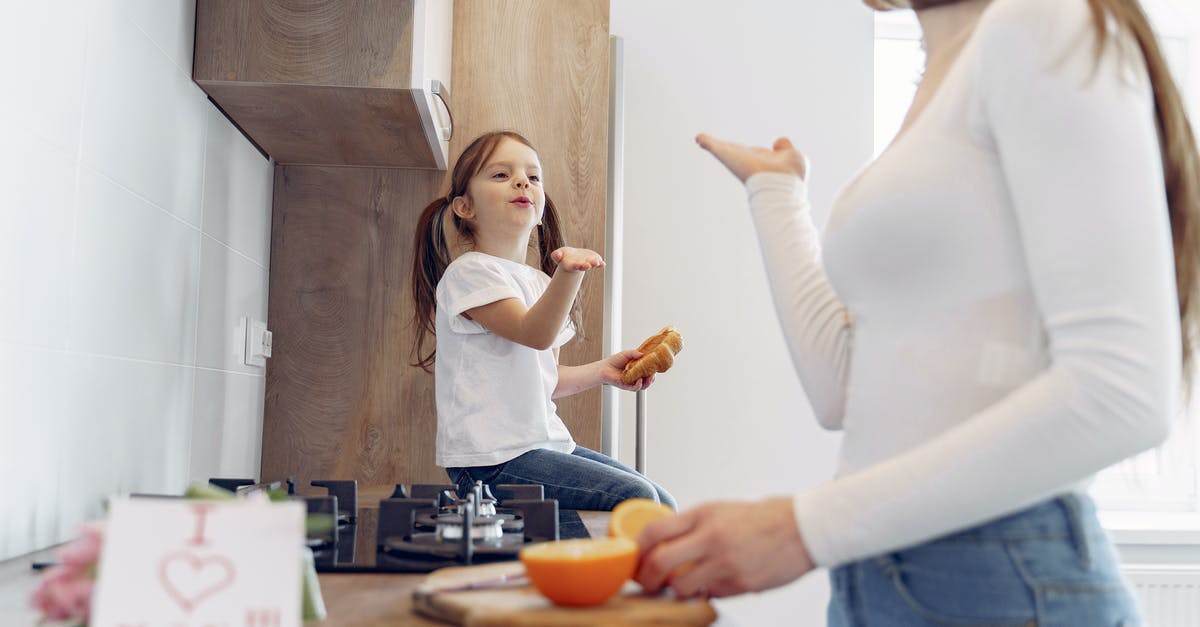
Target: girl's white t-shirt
494,396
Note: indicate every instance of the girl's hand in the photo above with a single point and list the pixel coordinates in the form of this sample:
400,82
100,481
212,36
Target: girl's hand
576,259
611,369
722,549
746,161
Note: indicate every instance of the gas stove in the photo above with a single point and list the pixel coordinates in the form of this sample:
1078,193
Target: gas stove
422,527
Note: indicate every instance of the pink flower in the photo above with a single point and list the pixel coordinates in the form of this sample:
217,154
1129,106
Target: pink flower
65,591
64,594
84,551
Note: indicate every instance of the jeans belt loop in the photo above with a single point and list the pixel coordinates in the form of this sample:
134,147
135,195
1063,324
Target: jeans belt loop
888,565
1079,537
466,483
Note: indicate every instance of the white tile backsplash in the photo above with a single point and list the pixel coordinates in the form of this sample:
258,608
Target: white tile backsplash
43,47
231,287
143,120
36,230
33,421
130,433
170,25
237,191
136,277
226,431
101,237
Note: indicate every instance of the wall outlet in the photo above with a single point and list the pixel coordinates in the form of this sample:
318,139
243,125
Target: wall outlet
258,343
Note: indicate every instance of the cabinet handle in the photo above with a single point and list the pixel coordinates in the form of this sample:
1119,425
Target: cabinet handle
443,93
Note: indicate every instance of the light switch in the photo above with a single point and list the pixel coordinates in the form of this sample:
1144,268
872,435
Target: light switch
258,343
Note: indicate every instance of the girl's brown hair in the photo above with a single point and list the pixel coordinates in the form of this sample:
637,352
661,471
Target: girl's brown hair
431,247
1177,142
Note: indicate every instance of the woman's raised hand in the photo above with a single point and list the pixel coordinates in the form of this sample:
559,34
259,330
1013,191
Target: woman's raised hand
745,161
577,259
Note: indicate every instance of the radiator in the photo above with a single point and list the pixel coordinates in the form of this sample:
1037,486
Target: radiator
1169,595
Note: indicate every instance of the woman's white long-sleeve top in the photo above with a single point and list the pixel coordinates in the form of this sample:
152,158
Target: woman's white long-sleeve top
990,315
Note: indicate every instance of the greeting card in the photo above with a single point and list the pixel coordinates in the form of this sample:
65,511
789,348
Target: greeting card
205,563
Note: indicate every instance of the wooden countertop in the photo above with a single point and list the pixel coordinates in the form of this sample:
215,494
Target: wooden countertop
370,599
362,599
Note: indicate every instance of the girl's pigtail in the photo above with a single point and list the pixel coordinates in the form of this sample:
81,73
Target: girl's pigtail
431,255
550,239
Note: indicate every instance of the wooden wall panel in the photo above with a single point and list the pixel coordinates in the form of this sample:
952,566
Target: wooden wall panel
342,401
541,67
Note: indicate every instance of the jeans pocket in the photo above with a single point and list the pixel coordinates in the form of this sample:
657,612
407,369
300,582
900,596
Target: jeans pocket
1073,593
962,584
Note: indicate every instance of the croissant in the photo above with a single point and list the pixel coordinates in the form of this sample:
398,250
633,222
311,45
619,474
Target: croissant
658,354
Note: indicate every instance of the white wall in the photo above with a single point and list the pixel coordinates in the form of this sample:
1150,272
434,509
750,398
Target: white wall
730,420
134,235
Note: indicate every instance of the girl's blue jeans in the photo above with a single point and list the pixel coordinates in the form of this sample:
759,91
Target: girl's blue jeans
583,479
1048,565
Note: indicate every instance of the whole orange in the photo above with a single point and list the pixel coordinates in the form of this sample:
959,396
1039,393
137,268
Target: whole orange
580,572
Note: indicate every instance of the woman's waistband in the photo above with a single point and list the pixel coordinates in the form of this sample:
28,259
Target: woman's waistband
1071,515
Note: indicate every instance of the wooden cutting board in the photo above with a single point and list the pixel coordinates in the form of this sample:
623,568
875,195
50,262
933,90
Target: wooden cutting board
441,596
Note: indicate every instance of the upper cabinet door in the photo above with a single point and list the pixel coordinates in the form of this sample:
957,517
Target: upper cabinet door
353,82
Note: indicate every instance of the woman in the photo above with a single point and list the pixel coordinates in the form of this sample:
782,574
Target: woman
992,315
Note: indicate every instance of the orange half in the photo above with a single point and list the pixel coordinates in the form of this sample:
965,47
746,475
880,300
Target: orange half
580,572
632,515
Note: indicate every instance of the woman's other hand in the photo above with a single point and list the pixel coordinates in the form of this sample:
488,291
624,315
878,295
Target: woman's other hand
611,369
746,161
577,259
722,549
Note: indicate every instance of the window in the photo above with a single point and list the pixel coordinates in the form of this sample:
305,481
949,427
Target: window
1165,479
899,60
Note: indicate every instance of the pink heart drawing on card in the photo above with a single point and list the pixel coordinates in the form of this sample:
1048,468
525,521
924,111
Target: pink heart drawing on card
191,579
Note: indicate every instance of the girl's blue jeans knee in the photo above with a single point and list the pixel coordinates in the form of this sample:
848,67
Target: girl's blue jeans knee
583,479
1048,565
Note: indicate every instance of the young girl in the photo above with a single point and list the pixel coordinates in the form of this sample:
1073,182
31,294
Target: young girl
499,323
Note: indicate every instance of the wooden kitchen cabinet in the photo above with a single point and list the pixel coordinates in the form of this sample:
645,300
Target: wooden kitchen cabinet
352,82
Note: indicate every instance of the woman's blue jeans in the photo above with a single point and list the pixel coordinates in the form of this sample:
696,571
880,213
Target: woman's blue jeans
583,479
1049,565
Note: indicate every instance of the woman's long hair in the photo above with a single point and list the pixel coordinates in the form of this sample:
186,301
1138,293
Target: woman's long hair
1177,142
432,247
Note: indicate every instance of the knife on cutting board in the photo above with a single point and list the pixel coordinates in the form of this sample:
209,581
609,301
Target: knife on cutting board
495,595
